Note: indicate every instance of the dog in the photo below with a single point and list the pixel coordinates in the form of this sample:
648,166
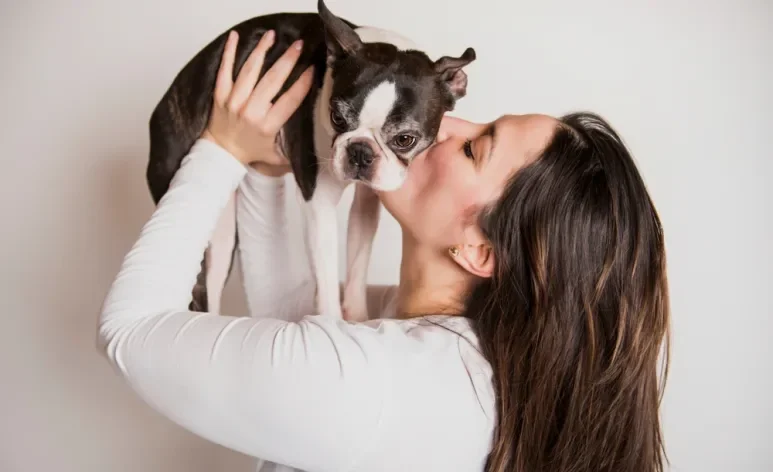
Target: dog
375,103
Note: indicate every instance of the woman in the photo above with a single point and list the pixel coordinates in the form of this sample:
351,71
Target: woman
524,334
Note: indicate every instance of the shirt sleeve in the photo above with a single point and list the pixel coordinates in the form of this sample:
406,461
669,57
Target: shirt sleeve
309,394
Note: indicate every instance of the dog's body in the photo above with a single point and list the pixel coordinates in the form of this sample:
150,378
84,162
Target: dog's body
374,104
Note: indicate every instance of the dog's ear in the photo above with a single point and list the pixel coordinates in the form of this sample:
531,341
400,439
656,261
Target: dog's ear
450,71
340,38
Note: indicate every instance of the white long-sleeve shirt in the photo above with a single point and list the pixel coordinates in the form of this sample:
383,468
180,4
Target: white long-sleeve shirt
305,390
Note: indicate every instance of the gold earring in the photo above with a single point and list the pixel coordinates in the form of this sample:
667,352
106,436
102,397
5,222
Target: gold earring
454,251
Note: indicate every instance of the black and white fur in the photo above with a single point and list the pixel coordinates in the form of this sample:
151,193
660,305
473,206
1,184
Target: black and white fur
376,102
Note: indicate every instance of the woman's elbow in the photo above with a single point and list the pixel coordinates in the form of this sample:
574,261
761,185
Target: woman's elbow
117,320
107,333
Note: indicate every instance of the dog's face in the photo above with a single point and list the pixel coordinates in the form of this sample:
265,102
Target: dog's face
386,101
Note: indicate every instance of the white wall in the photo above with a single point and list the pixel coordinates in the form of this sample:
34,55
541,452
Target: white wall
688,86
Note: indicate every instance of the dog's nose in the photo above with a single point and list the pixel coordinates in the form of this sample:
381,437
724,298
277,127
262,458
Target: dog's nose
360,154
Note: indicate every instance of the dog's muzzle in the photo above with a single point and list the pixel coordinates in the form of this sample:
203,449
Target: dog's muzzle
361,157
360,154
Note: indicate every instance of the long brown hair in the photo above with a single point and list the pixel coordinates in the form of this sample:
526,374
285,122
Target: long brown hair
575,316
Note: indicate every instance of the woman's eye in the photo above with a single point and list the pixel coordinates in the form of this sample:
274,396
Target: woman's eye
468,149
404,141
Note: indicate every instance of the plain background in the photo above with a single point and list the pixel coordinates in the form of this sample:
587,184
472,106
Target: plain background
688,84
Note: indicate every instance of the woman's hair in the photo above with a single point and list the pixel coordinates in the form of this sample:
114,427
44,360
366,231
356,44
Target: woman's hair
575,315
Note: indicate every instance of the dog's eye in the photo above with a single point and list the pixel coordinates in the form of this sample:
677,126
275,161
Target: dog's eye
336,118
404,141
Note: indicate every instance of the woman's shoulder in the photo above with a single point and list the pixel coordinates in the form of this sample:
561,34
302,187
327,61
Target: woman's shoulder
435,385
440,382
433,337
435,341
429,357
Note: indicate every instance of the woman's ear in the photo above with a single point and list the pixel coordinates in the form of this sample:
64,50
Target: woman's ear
477,259
475,255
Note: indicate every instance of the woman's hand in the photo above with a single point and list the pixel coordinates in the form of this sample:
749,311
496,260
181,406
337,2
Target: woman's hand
243,119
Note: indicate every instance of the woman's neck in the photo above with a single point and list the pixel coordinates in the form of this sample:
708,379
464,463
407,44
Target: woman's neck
430,283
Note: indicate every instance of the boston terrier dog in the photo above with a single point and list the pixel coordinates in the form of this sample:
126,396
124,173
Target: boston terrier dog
375,103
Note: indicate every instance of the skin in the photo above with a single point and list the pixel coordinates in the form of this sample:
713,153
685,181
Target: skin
243,120
437,206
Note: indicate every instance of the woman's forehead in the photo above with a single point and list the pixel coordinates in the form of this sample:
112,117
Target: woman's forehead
520,139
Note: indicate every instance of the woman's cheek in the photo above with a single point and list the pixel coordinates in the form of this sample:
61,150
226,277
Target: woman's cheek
439,166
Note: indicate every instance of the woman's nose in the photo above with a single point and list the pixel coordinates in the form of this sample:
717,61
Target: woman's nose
451,127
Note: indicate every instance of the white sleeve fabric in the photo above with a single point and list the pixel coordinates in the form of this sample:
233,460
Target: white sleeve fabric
275,284
319,394
253,385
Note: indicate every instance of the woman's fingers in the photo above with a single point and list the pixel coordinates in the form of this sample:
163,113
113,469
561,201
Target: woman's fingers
224,81
243,119
274,78
248,75
286,105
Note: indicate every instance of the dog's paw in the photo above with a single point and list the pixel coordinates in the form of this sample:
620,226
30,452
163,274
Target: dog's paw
354,309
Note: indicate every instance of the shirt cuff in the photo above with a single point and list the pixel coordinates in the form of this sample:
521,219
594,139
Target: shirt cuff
218,158
262,181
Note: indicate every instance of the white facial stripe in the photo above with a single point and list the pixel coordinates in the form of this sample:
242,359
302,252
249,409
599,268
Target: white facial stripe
389,172
377,105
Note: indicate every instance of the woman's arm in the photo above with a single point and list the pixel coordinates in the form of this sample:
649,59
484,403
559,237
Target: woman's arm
308,394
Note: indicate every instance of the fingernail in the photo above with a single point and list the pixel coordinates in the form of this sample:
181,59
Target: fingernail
270,35
231,35
298,44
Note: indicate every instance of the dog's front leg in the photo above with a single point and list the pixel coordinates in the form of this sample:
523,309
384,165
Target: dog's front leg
321,232
363,223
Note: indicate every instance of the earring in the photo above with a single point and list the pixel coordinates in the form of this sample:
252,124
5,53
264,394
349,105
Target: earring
454,251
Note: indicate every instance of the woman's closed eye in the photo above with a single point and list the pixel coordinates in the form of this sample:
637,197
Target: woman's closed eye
468,149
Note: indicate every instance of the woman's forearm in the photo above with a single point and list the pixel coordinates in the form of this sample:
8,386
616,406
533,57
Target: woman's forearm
255,385
159,272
